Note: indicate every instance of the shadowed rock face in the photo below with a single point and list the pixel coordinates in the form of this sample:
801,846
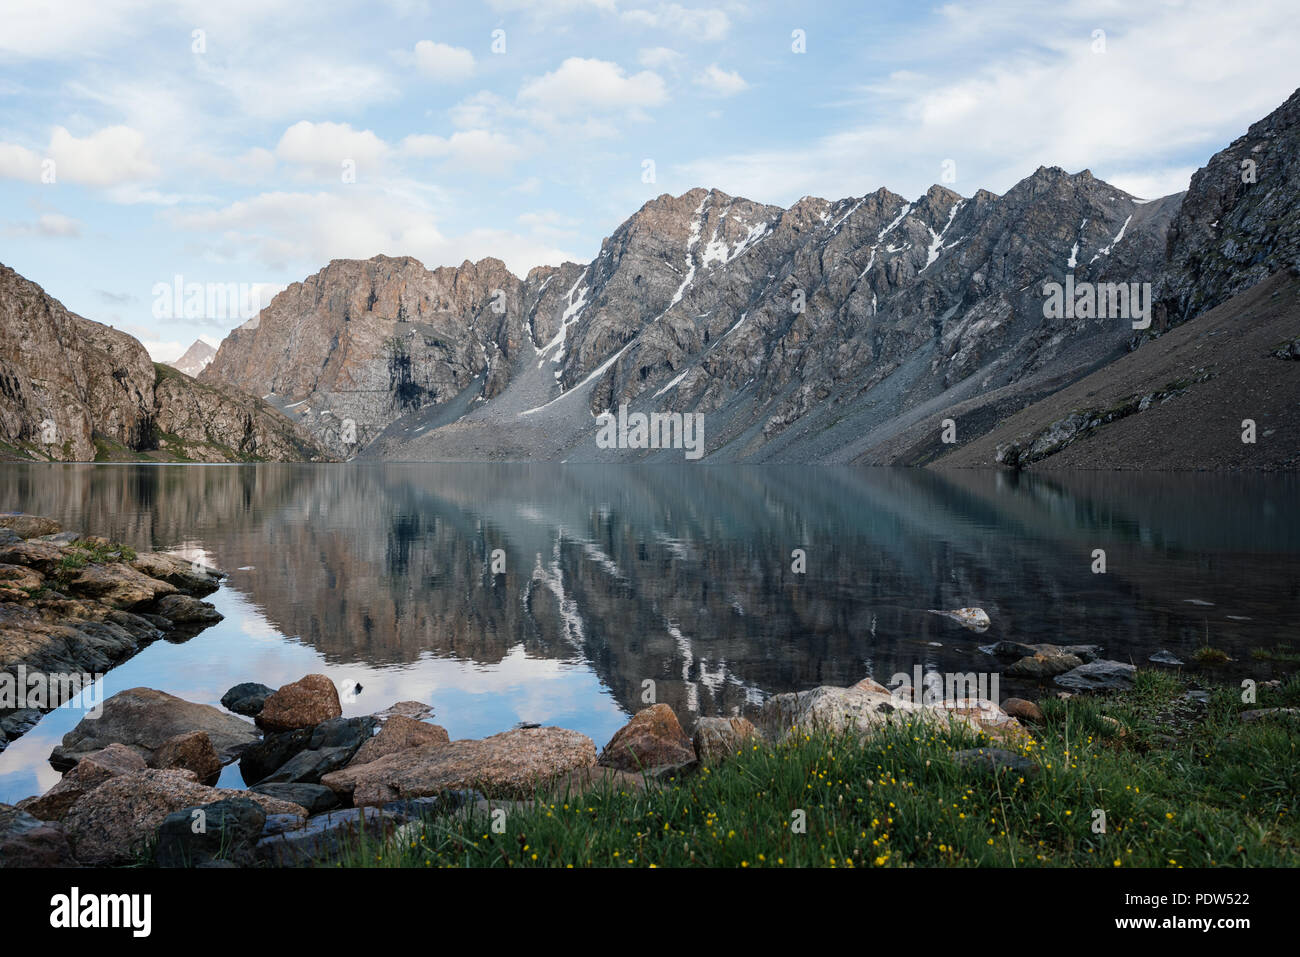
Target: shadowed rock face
66,382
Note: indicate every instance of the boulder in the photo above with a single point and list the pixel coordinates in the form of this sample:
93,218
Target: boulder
143,719
399,733
1012,650
191,577
343,733
29,526
26,841
309,766
117,585
118,821
514,763
304,703
191,751
247,699
1163,657
45,557
716,739
974,619
90,772
1041,666
184,610
225,831
652,739
1098,676
263,759
1023,710
407,709
586,780
323,838
316,798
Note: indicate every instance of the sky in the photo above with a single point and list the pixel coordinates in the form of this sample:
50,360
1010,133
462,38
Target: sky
147,144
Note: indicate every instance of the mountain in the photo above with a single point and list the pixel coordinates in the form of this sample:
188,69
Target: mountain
859,330
75,390
195,359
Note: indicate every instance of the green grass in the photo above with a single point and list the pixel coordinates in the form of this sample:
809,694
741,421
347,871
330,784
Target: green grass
82,553
1180,784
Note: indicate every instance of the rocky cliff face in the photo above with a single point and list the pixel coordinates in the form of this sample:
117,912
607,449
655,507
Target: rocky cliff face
830,331
75,390
1239,222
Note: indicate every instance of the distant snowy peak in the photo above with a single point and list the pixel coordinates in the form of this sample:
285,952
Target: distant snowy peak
196,358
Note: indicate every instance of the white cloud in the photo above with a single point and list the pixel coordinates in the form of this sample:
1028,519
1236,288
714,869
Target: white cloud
324,147
443,62
47,226
284,230
297,85
721,82
475,150
110,156
658,57
580,85
699,24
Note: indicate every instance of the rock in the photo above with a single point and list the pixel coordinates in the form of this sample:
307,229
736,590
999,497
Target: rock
1260,714
323,837
115,823
1163,657
407,709
1098,676
871,684
1040,666
90,772
996,760
184,610
17,723
717,739
975,619
29,526
343,733
143,719
399,733
1114,725
1012,650
595,778
117,585
26,841
652,739
511,764
309,766
248,698
199,836
837,711
1023,710
316,798
304,703
263,759
190,577
45,557
191,751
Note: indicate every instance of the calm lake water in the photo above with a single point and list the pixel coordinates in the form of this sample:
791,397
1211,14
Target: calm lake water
615,576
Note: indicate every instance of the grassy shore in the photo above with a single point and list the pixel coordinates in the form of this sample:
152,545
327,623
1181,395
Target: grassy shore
1181,784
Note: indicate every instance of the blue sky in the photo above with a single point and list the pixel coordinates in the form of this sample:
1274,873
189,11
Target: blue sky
220,156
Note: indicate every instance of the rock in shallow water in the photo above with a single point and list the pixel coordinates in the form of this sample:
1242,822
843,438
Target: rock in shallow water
304,703
1099,676
975,619
144,719
247,699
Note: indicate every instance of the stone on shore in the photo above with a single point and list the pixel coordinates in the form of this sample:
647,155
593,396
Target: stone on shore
89,773
118,821
717,739
26,841
316,798
191,751
399,733
1040,666
304,703
1023,710
247,699
144,719
185,610
118,585
263,759
596,779
190,577
1098,676
323,837
223,833
29,526
510,764
652,739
